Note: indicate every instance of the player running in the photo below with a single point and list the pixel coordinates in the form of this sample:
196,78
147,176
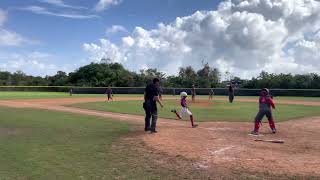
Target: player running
265,104
185,109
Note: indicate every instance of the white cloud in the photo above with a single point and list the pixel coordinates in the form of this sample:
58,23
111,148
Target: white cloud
243,37
8,38
104,4
60,3
116,29
34,63
45,11
3,17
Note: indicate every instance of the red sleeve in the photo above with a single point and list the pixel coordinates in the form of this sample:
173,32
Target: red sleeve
272,103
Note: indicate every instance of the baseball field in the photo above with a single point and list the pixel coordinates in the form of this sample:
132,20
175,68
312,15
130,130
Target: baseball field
57,136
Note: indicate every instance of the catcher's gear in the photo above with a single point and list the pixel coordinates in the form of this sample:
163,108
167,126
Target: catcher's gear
183,94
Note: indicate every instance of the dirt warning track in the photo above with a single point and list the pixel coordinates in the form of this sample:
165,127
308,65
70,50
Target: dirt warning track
218,143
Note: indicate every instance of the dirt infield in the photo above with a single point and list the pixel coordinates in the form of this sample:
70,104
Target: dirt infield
216,144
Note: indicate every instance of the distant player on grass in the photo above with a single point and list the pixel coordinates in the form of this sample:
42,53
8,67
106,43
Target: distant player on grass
211,93
193,93
151,97
185,109
71,92
231,93
109,94
265,104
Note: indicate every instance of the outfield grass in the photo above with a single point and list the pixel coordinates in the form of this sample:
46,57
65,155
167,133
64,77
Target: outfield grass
50,145
218,111
315,99
9,95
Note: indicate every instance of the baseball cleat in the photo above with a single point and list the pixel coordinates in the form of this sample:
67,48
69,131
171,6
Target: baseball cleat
274,130
255,133
194,126
153,131
174,111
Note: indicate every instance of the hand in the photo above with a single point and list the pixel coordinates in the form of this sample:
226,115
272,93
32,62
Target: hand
161,105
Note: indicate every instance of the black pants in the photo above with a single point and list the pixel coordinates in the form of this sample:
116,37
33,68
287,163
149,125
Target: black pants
231,98
151,111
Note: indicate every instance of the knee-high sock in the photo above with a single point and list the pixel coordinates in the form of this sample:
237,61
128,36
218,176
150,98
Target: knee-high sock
192,120
256,126
271,124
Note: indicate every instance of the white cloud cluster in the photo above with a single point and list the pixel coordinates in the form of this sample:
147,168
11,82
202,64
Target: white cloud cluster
243,37
116,29
104,4
9,38
34,63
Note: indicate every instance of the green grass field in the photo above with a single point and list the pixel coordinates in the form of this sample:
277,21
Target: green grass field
219,111
38,144
9,95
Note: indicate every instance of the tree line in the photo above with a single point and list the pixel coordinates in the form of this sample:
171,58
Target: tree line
114,74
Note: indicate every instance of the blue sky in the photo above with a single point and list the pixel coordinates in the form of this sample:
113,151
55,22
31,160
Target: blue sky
40,37
63,37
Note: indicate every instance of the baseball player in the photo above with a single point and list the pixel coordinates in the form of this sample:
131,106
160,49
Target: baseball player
71,92
265,104
109,93
211,93
193,93
185,109
231,93
151,98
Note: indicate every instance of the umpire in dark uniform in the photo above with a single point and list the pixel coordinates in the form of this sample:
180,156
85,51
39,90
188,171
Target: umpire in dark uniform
151,97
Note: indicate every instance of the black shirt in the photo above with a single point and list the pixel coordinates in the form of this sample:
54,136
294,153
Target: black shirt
151,91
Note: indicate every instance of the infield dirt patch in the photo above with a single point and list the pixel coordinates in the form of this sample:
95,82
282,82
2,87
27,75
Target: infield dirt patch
218,144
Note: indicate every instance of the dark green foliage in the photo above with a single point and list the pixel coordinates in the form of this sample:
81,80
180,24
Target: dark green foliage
114,74
284,81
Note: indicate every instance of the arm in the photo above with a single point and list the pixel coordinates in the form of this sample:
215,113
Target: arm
272,103
157,99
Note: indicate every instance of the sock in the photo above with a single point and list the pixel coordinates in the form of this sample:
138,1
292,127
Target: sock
192,121
256,126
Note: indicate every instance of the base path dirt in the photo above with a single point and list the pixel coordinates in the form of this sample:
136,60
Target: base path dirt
217,144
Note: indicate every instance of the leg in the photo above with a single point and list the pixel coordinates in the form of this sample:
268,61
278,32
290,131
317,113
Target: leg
271,122
147,117
257,121
176,113
147,121
154,115
191,117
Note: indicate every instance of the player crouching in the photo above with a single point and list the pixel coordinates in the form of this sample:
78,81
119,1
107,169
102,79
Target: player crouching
185,109
265,104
